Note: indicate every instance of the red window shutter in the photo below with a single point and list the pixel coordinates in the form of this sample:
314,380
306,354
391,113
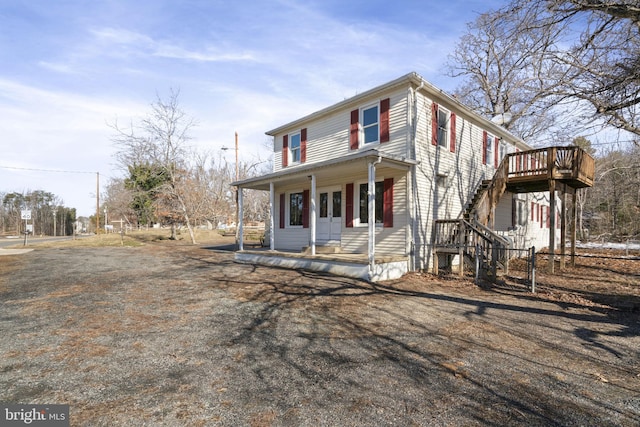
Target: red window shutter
452,132
541,214
434,124
387,207
285,151
548,217
533,206
354,130
305,209
282,210
349,206
484,147
303,145
384,120
495,151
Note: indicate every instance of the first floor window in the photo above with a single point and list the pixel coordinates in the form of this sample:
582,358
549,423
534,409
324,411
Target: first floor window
295,209
294,147
364,207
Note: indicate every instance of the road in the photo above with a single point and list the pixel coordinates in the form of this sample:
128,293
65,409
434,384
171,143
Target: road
33,240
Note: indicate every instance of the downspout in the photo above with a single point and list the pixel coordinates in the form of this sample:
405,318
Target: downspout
371,206
414,186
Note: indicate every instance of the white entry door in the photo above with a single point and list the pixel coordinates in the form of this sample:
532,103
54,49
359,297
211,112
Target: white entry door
329,209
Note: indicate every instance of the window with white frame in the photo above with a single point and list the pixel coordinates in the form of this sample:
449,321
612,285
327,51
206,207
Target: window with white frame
503,150
295,209
489,148
443,127
363,199
294,147
370,124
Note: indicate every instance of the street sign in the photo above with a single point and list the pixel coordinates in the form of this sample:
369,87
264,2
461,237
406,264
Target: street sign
26,214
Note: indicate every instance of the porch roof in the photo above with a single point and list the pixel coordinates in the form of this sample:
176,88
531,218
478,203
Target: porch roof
330,168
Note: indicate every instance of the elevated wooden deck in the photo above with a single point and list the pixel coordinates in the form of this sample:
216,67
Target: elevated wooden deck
530,171
563,169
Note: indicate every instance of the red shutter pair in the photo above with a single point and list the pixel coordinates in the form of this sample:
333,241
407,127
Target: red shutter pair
354,127
305,209
387,204
303,148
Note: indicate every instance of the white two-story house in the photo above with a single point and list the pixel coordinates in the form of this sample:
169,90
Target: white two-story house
368,177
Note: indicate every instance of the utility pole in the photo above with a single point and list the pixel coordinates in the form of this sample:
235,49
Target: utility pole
237,202
97,202
54,223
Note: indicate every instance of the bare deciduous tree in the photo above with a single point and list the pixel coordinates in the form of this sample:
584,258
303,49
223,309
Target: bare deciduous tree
532,56
160,142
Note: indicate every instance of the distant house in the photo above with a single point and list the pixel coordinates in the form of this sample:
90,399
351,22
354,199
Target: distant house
358,188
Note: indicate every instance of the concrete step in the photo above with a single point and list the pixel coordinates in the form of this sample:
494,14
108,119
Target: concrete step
322,249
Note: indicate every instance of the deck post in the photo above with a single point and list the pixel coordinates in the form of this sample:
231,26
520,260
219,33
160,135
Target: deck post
563,227
574,226
552,224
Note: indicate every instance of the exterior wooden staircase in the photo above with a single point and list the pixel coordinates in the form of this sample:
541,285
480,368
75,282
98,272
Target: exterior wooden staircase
471,236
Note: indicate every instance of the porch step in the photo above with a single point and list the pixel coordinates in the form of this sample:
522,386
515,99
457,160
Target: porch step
322,249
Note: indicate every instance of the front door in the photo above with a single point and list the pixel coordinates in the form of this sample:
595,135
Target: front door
329,221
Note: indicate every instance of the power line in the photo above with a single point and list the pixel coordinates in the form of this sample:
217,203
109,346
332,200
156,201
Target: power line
43,170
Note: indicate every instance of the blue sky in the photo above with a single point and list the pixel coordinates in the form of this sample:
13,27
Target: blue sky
71,67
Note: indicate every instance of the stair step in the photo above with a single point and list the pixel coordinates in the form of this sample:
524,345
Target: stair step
322,249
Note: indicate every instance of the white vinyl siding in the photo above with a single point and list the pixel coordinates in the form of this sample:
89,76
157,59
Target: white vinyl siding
389,240
328,137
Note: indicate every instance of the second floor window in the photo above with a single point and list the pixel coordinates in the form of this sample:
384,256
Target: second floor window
294,147
443,127
489,149
370,124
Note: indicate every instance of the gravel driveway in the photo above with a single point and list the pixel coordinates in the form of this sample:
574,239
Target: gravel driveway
166,335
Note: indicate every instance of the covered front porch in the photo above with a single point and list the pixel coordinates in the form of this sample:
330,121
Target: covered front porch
324,186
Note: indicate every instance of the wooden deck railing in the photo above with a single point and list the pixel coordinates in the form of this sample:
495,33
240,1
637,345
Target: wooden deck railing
458,236
562,163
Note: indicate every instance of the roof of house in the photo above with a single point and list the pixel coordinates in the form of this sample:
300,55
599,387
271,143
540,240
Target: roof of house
421,84
262,182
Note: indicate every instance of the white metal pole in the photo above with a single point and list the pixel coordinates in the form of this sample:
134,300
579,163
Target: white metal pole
312,225
272,204
371,206
240,223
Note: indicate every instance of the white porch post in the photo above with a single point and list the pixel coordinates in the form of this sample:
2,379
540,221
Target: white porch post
312,222
371,205
240,221
272,212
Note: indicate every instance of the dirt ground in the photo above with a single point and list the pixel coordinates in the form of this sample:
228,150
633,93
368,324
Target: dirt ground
167,334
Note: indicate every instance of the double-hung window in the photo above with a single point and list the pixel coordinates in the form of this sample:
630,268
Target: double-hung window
370,124
489,148
364,205
295,209
443,127
294,147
